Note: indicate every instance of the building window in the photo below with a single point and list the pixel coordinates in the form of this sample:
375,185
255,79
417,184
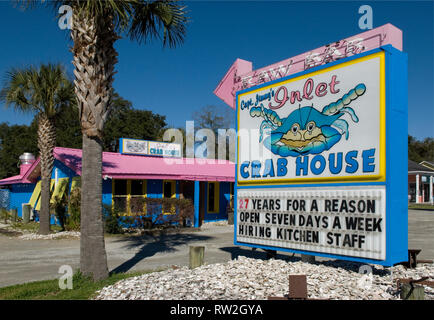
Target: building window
412,192
120,195
169,192
125,193
138,192
120,187
213,197
136,187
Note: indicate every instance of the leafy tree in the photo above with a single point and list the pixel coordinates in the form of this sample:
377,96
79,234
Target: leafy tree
14,141
96,25
419,151
124,121
68,130
132,123
216,118
41,91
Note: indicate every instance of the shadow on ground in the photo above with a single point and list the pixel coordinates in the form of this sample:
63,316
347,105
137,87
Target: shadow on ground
256,254
150,245
422,209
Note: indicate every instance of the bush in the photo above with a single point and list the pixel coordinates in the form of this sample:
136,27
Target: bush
74,203
4,215
111,220
152,215
59,208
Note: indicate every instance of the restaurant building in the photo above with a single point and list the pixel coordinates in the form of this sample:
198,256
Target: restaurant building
420,182
208,183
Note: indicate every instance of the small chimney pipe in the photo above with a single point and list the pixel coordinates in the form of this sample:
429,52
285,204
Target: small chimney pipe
26,161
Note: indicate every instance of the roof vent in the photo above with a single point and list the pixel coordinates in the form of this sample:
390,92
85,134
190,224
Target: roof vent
26,161
27,158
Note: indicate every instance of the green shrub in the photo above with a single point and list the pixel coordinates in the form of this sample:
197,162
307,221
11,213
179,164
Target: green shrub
111,220
74,203
59,208
4,215
181,210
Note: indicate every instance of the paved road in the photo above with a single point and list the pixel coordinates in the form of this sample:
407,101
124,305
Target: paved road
24,260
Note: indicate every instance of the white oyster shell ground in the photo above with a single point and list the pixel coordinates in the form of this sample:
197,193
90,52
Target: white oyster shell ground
256,279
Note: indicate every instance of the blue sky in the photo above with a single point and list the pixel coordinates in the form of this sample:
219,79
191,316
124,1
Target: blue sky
176,82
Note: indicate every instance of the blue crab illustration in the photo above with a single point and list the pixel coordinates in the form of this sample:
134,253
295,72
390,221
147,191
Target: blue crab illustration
307,130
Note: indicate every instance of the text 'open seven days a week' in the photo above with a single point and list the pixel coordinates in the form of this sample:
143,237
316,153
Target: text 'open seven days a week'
346,221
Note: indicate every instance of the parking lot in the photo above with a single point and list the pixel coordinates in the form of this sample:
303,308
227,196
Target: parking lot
30,260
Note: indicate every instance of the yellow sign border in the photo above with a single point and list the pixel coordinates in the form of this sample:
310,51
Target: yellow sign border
380,177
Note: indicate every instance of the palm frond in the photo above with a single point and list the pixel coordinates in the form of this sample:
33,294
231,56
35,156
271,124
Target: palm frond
163,19
140,20
37,90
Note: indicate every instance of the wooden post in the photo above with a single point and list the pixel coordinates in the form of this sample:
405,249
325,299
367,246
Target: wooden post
14,215
297,286
26,213
230,212
409,293
197,254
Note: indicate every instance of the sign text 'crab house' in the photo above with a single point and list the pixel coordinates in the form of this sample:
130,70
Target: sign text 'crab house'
321,160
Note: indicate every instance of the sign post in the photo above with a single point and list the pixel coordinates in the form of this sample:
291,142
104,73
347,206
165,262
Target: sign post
322,160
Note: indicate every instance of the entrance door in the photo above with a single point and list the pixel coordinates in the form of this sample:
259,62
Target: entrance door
425,189
187,190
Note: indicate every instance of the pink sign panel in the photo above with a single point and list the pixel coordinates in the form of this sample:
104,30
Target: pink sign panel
241,76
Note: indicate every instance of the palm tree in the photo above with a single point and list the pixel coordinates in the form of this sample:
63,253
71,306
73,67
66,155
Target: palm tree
96,25
42,91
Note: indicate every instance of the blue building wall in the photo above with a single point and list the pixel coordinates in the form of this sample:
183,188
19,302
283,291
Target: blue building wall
20,193
107,192
62,171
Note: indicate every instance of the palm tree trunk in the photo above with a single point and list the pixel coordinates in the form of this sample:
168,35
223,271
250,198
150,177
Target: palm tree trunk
94,61
46,143
93,259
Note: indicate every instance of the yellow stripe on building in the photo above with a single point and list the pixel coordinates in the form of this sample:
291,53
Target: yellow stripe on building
75,183
38,206
35,195
60,189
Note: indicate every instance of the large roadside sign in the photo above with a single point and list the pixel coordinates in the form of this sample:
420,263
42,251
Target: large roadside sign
322,160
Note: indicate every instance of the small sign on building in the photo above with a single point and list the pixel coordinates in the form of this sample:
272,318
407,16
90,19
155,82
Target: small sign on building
149,148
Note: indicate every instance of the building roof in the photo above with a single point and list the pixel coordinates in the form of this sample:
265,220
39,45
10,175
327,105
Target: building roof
122,166
13,180
416,167
427,164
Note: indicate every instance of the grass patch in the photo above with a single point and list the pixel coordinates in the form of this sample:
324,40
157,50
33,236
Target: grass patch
83,288
33,226
423,206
